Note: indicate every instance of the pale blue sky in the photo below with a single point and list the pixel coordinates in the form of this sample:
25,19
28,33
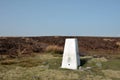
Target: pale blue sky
59,17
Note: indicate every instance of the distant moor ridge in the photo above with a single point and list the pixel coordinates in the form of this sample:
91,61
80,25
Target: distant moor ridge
87,45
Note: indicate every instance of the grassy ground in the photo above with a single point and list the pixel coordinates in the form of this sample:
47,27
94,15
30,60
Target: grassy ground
47,67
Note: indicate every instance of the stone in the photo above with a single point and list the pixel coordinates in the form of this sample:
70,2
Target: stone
71,58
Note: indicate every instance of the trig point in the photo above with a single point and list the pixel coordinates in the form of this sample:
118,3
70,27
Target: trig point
71,58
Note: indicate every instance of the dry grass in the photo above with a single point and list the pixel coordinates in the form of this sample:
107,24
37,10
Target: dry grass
108,39
54,49
118,43
37,73
97,77
102,59
47,67
111,73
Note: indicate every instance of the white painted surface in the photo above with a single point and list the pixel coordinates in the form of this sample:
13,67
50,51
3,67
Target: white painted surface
71,58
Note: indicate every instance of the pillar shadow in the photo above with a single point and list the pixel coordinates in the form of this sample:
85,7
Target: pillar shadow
83,62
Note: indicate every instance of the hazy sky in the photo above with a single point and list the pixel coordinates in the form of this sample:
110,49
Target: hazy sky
60,17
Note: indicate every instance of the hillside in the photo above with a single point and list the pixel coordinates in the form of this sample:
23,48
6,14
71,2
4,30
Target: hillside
13,46
39,58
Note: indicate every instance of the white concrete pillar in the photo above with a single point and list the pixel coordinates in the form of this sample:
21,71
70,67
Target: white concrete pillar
71,58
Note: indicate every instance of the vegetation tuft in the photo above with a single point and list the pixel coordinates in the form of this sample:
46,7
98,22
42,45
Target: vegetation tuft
54,49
